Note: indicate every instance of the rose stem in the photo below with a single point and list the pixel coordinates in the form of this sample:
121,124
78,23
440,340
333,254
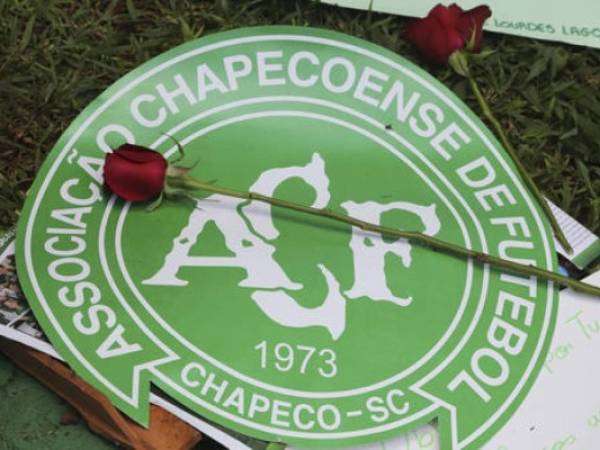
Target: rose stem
187,182
487,112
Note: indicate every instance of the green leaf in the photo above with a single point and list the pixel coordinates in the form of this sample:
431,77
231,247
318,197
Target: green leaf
538,67
155,203
27,33
459,61
186,31
585,176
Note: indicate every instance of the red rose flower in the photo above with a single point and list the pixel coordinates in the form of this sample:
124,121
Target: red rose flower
447,29
135,173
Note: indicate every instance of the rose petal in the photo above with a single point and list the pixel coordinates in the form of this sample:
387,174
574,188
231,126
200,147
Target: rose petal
446,15
137,153
444,43
135,173
436,36
472,21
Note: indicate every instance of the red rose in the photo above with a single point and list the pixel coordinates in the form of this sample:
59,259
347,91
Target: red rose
135,173
447,29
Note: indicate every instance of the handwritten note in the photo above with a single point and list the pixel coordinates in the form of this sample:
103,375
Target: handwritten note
562,410
563,407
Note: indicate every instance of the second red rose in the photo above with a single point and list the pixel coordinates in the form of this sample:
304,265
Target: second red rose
447,29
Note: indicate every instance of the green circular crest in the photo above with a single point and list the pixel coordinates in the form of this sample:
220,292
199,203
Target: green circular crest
277,325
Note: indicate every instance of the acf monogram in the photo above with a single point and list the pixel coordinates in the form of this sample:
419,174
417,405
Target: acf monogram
254,254
272,323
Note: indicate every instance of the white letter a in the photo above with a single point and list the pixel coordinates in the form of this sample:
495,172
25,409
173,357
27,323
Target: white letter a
251,253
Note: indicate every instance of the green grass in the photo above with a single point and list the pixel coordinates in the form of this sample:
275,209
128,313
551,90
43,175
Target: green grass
56,56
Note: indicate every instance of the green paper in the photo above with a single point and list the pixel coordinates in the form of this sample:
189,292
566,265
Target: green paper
280,326
588,256
574,22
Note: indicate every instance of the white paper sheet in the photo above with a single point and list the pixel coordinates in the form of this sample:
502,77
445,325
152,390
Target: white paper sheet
574,21
585,244
562,410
